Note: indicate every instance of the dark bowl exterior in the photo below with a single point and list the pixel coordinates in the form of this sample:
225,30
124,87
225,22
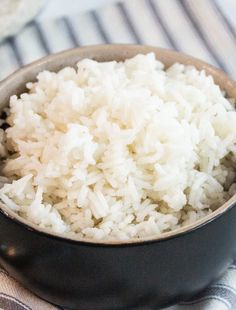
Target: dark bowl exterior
88,276
148,275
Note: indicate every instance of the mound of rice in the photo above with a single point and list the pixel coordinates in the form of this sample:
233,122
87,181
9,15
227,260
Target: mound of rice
119,150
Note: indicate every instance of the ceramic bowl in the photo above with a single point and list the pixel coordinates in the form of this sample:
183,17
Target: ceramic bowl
138,274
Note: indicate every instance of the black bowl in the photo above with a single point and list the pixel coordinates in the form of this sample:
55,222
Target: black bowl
138,274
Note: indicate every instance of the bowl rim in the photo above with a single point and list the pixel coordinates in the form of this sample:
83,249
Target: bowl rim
169,235
46,232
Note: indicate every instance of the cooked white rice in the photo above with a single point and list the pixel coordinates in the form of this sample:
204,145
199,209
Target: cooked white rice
119,150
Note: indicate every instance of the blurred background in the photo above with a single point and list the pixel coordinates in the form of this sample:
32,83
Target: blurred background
202,28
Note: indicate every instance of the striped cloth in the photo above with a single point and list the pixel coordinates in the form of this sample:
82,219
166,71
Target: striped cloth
203,28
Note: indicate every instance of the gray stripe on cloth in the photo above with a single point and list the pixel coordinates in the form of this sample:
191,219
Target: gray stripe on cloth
206,298
100,27
226,294
220,285
128,22
162,24
190,14
12,42
8,302
233,264
71,31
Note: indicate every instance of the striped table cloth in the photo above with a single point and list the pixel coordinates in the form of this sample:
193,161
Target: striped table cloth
203,28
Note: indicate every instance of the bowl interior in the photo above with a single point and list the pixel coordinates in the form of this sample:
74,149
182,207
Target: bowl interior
15,84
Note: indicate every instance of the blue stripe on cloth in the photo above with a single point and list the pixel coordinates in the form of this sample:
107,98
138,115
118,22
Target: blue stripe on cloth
226,22
42,37
12,42
129,22
215,32
117,32
161,22
29,44
8,61
194,22
71,32
56,35
100,27
149,29
99,31
85,27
